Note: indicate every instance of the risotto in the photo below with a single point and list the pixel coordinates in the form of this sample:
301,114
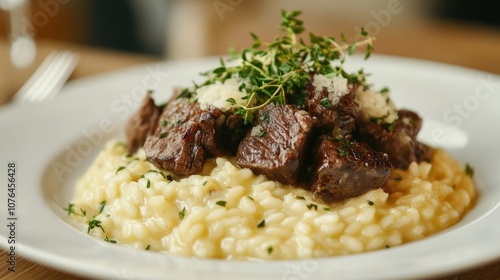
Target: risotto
231,213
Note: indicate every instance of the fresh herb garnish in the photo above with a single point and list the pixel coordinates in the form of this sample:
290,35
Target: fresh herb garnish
312,206
325,102
94,224
168,177
109,240
278,71
270,249
182,213
469,170
343,149
300,197
119,169
370,202
261,224
70,211
221,203
101,206
148,247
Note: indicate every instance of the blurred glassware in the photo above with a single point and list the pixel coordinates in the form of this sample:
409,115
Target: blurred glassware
22,43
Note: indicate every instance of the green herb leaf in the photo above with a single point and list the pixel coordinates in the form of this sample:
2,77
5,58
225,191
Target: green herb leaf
325,102
94,224
182,213
70,209
370,202
261,224
312,206
269,249
101,206
469,170
221,203
109,240
278,71
119,169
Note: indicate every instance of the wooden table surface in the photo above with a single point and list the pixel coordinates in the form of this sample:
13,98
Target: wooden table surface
480,50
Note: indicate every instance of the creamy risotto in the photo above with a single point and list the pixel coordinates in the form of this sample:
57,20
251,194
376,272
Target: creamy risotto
228,212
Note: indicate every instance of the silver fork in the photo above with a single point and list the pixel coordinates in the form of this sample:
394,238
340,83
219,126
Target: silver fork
49,78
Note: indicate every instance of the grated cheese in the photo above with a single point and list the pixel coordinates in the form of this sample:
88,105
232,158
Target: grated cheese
374,104
336,87
217,94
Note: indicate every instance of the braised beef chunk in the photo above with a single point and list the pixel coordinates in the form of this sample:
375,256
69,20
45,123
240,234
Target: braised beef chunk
338,120
275,146
142,124
398,140
186,135
345,169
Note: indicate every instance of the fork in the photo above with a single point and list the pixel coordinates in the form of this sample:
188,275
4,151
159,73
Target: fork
49,78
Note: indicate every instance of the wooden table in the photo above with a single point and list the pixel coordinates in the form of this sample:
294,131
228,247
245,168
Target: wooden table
440,44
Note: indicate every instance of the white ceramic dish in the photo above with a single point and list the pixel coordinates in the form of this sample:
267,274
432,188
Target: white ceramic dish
53,143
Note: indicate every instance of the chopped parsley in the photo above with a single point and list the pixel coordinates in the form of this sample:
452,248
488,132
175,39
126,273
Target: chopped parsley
265,117
221,203
109,240
261,224
325,102
312,206
370,202
342,149
71,210
94,224
469,170
119,169
270,249
300,197
168,177
101,206
182,213
148,247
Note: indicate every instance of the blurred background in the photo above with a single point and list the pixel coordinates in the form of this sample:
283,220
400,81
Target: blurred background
113,34
439,30
181,28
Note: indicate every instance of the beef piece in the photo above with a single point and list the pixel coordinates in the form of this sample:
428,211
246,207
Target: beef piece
345,169
398,139
338,120
275,146
142,124
187,135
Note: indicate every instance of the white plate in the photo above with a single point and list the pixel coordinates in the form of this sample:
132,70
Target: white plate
53,143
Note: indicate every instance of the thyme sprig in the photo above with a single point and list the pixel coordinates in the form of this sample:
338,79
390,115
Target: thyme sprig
278,71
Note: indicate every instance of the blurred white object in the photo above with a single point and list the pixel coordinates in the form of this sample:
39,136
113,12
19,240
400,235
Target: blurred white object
22,47
49,78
